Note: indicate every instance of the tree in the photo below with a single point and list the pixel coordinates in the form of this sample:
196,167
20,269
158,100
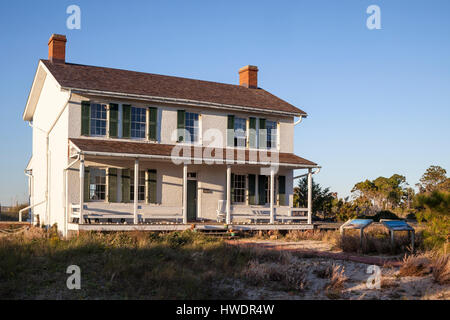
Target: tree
434,208
321,198
432,179
382,192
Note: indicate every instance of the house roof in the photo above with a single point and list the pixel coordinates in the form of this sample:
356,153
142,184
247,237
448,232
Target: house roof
134,149
83,77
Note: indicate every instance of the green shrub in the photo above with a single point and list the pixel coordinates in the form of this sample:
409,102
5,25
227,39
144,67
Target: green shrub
434,208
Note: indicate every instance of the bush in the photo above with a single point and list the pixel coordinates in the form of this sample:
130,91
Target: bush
434,208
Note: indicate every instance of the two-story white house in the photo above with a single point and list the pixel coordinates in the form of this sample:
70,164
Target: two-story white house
124,150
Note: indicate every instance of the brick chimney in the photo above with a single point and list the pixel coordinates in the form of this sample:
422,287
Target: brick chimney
248,76
57,48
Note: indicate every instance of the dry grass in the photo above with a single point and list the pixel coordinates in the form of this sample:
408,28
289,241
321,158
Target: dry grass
286,277
431,262
337,280
441,269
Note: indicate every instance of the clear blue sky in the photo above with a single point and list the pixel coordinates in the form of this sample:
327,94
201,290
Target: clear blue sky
378,100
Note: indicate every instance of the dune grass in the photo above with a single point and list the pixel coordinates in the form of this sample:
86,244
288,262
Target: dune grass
118,266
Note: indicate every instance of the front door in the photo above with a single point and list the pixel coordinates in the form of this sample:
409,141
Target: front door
192,200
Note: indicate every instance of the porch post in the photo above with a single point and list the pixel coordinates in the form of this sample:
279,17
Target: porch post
309,196
136,190
81,188
228,220
185,193
272,189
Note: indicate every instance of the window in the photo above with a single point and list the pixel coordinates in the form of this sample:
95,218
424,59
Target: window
240,132
138,122
97,184
266,189
191,126
141,186
239,188
272,133
98,119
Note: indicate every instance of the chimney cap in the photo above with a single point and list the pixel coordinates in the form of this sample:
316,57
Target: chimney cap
248,67
59,37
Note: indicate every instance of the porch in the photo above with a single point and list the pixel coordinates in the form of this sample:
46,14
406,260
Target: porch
253,195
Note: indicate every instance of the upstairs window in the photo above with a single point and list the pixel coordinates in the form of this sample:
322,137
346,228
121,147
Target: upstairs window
240,132
272,134
98,119
138,122
191,126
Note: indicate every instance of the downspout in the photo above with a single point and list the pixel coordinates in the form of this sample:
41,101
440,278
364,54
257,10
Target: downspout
66,193
47,137
27,208
30,192
298,121
304,175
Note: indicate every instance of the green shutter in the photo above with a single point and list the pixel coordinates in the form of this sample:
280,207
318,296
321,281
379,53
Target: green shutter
282,190
85,118
261,189
152,123
112,185
251,189
87,184
230,131
126,121
113,120
252,133
151,186
181,116
126,182
262,134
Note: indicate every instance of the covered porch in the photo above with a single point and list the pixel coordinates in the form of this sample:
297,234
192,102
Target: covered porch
173,195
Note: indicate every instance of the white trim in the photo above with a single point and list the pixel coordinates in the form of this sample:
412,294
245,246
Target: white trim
194,103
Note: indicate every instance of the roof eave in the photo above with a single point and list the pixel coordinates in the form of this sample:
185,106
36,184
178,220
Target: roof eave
195,103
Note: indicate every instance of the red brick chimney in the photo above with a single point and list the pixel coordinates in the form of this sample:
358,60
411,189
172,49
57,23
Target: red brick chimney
57,48
248,76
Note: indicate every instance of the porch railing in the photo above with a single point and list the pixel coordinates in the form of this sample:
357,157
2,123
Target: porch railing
111,214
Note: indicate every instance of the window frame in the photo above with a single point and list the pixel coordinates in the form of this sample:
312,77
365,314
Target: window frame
242,122
239,185
103,183
194,128
93,120
141,185
271,138
142,124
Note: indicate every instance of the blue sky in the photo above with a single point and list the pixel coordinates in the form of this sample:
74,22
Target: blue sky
378,100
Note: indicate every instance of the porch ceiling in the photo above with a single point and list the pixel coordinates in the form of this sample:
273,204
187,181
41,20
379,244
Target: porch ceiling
143,149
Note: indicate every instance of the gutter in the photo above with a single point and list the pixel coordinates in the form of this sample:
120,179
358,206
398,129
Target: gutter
194,103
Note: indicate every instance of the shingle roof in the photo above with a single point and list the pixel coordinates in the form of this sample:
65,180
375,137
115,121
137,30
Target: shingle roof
138,83
156,149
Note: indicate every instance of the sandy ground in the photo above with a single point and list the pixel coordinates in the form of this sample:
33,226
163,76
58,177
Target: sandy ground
392,286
